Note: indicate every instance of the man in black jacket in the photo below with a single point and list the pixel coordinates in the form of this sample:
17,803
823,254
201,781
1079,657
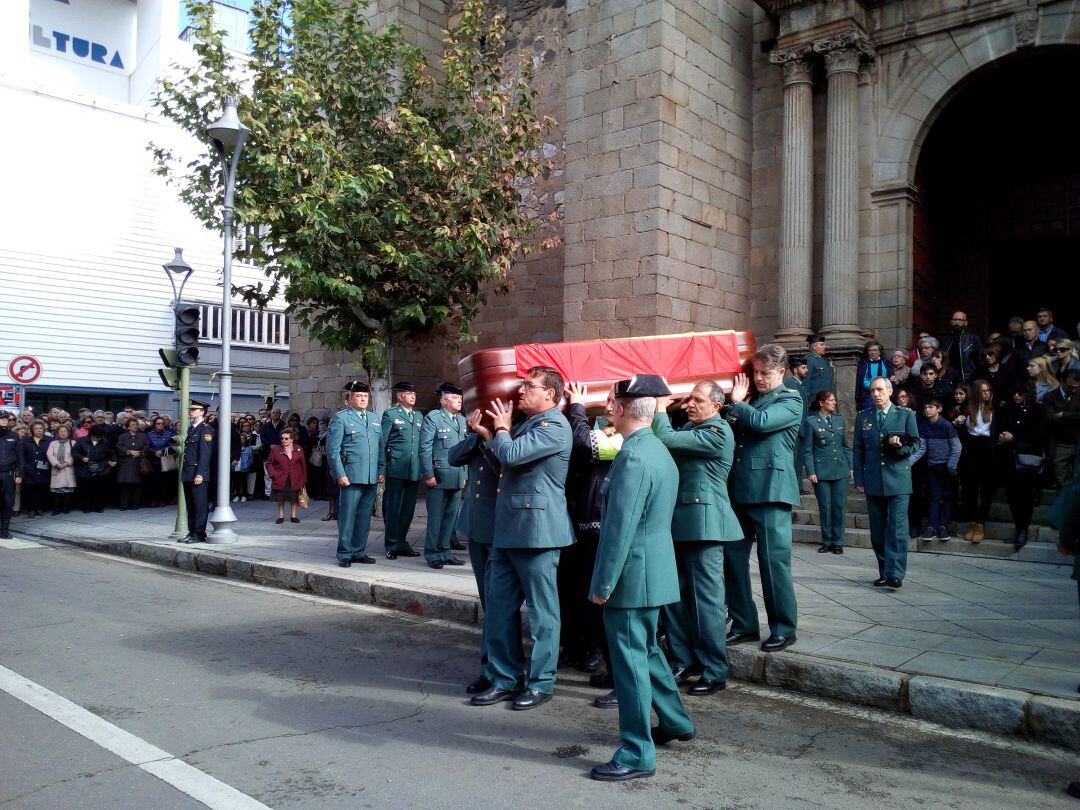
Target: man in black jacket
11,462
1062,406
963,348
198,459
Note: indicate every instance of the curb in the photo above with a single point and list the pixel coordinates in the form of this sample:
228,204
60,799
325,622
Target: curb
958,704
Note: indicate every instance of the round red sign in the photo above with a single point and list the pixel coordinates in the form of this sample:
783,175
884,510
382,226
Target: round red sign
24,369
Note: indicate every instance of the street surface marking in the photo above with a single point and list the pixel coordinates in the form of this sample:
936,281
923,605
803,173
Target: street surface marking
16,544
187,779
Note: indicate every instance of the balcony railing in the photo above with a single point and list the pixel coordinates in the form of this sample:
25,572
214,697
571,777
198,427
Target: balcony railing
256,328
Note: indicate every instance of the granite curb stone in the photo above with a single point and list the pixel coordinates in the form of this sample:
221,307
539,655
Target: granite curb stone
967,705
851,683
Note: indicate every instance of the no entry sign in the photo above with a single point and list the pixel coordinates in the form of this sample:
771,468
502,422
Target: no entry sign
24,369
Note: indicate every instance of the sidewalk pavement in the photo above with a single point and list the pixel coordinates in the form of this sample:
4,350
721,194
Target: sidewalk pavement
991,644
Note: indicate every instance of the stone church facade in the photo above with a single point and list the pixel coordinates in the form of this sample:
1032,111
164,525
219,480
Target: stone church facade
739,164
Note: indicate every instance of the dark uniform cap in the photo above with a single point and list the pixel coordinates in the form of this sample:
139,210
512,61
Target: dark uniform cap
447,388
357,387
795,362
642,385
812,339
195,403
404,386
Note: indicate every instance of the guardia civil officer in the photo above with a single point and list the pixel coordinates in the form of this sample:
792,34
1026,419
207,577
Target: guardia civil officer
442,429
477,517
635,575
886,437
764,489
195,474
531,526
703,523
820,375
401,453
828,465
352,448
11,462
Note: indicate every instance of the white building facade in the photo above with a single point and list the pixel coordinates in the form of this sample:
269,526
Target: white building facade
85,225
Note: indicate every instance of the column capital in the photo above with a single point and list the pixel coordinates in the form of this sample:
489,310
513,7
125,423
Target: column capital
844,52
795,63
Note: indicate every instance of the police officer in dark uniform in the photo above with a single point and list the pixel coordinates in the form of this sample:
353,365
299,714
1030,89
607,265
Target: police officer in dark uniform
198,455
11,462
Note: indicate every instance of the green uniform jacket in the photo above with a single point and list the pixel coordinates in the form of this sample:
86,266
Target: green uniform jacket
635,560
441,431
530,511
819,377
352,446
880,473
825,447
401,442
703,453
477,518
766,435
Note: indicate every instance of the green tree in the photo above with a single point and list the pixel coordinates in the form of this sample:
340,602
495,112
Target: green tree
388,203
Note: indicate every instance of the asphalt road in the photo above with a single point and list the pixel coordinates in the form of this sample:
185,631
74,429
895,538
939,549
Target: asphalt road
300,702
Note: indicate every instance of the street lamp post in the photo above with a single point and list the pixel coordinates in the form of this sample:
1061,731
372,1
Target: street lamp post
229,136
181,269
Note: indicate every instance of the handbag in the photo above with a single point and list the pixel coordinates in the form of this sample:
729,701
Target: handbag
246,460
316,456
144,466
169,461
302,500
1029,462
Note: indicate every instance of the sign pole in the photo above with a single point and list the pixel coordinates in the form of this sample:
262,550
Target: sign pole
181,530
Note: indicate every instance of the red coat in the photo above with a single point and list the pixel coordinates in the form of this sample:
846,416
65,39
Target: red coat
286,473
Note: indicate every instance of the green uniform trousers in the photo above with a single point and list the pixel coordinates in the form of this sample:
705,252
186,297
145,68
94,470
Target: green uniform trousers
832,507
355,503
399,503
889,533
697,625
643,681
478,557
516,576
443,506
770,525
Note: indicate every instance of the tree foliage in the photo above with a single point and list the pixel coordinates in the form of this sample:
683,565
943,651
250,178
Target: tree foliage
388,202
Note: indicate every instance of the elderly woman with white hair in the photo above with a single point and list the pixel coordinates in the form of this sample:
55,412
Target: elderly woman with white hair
926,346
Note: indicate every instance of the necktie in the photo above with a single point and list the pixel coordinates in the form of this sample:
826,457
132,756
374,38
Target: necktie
881,421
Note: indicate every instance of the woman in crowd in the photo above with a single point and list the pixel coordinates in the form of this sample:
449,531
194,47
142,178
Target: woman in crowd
997,373
980,471
314,457
1064,358
827,459
926,347
35,471
132,448
947,375
245,454
85,424
1020,444
957,411
301,432
62,469
157,441
94,459
870,365
1041,377
329,483
901,371
287,469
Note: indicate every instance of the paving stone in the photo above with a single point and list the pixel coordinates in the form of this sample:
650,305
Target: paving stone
1058,682
868,652
902,637
985,648
961,667
967,705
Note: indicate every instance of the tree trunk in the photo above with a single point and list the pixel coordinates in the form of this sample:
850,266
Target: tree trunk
381,399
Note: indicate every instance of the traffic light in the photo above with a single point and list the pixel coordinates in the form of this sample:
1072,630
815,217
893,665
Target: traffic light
176,444
170,375
186,333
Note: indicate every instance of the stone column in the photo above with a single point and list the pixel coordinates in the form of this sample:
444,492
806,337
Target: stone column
796,198
840,293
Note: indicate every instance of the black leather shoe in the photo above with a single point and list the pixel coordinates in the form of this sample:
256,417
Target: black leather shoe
408,553
1020,541
457,545
880,581
481,684
592,662
191,539
492,696
661,737
453,561
893,582
435,564
614,772
742,638
608,701
391,555
345,563
1073,789
365,559
530,699
683,674
775,643
603,680
823,549
837,549
706,687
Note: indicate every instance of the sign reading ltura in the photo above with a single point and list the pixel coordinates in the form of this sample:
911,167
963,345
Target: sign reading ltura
63,42
76,31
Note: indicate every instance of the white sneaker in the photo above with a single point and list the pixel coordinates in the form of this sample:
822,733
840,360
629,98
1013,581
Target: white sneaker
236,499
243,499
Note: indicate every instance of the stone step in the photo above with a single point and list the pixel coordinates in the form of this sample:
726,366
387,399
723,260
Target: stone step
994,530
1040,552
856,503
1046,497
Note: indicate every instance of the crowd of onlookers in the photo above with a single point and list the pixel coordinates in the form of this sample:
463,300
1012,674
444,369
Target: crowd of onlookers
999,412
130,459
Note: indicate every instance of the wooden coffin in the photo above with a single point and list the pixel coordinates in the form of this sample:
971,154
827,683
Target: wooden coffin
683,359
